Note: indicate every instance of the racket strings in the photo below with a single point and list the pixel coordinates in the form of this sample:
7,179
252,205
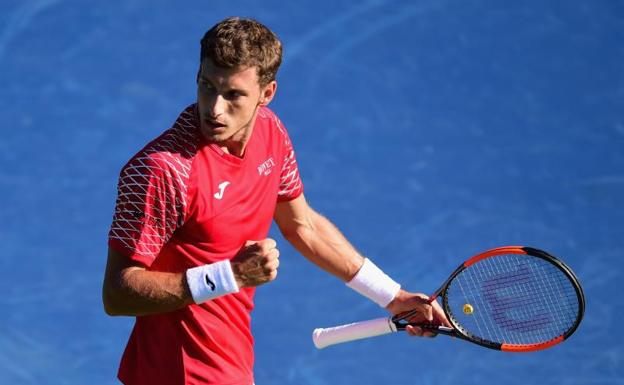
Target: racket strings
517,299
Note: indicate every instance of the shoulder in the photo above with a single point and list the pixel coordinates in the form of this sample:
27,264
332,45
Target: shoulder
166,160
174,149
272,123
180,141
269,118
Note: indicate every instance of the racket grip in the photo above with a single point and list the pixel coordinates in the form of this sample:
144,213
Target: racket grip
324,337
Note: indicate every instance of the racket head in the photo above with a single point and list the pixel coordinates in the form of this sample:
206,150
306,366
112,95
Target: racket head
513,298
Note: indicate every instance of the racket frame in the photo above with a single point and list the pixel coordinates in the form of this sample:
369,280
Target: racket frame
400,320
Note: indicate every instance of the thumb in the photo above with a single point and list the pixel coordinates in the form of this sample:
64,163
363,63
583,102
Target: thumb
249,243
427,309
428,313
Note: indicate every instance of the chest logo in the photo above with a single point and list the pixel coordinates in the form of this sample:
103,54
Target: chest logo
266,167
222,186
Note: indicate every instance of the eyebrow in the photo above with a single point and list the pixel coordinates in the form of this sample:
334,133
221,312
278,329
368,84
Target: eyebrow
201,77
229,89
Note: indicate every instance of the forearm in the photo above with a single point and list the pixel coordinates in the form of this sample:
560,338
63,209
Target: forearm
131,289
324,245
136,292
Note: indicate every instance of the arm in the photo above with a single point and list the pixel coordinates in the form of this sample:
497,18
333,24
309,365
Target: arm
145,210
317,239
321,242
130,289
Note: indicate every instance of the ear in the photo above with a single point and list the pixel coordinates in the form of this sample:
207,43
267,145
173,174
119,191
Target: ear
267,93
199,71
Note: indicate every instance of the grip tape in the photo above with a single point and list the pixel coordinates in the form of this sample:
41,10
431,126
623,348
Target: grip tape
324,337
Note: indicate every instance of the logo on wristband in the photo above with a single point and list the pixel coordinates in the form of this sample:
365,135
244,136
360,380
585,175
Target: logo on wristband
210,283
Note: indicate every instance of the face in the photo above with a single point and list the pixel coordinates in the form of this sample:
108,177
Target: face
228,101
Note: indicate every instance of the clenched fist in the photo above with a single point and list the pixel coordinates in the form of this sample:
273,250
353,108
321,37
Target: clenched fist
256,263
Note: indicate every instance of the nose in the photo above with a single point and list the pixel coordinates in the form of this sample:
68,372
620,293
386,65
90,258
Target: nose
216,106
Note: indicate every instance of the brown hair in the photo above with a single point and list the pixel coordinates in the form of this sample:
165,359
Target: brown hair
243,43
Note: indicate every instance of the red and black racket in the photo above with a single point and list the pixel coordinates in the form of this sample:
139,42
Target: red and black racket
512,298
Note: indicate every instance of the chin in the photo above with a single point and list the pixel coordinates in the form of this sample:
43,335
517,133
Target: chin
213,138
214,135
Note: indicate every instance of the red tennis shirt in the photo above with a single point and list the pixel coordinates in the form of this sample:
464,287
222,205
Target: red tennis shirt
183,202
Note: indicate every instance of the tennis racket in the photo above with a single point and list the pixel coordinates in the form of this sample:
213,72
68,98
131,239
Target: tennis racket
513,298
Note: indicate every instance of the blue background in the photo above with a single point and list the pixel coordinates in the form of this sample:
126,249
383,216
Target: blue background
427,130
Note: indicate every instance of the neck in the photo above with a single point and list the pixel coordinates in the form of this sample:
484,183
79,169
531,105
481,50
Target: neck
233,148
237,144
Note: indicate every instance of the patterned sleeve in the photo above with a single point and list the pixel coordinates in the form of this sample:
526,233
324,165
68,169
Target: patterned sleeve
149,207
290,181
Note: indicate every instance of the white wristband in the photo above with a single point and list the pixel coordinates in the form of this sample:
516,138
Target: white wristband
374,284
211,281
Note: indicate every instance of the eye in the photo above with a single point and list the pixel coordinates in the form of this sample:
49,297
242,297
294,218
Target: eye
233,95
205,86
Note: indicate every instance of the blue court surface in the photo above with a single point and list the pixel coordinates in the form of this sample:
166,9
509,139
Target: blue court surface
427,130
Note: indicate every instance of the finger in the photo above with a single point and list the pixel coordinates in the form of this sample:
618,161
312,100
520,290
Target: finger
252,242
426,307
429,334
267,275
439,315
421,332
414,331
272,264
272,254
267,263
427,312
267,244
252,246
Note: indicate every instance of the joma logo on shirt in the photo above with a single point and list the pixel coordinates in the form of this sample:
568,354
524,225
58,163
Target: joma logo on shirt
266,167
222,186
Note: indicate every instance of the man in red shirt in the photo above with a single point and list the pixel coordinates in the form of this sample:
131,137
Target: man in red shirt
188,245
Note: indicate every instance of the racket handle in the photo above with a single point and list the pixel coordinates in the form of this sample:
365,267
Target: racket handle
324,337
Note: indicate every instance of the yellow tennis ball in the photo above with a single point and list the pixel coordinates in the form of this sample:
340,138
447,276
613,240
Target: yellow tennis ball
468,309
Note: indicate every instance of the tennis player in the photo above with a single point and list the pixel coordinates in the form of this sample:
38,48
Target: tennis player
188,244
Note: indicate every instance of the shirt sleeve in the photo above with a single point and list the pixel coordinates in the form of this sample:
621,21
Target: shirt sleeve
291,185
149,207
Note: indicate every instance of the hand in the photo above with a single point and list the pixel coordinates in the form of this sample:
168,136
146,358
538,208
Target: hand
427,312
256,263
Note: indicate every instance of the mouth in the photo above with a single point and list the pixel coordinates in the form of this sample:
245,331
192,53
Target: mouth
213,126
